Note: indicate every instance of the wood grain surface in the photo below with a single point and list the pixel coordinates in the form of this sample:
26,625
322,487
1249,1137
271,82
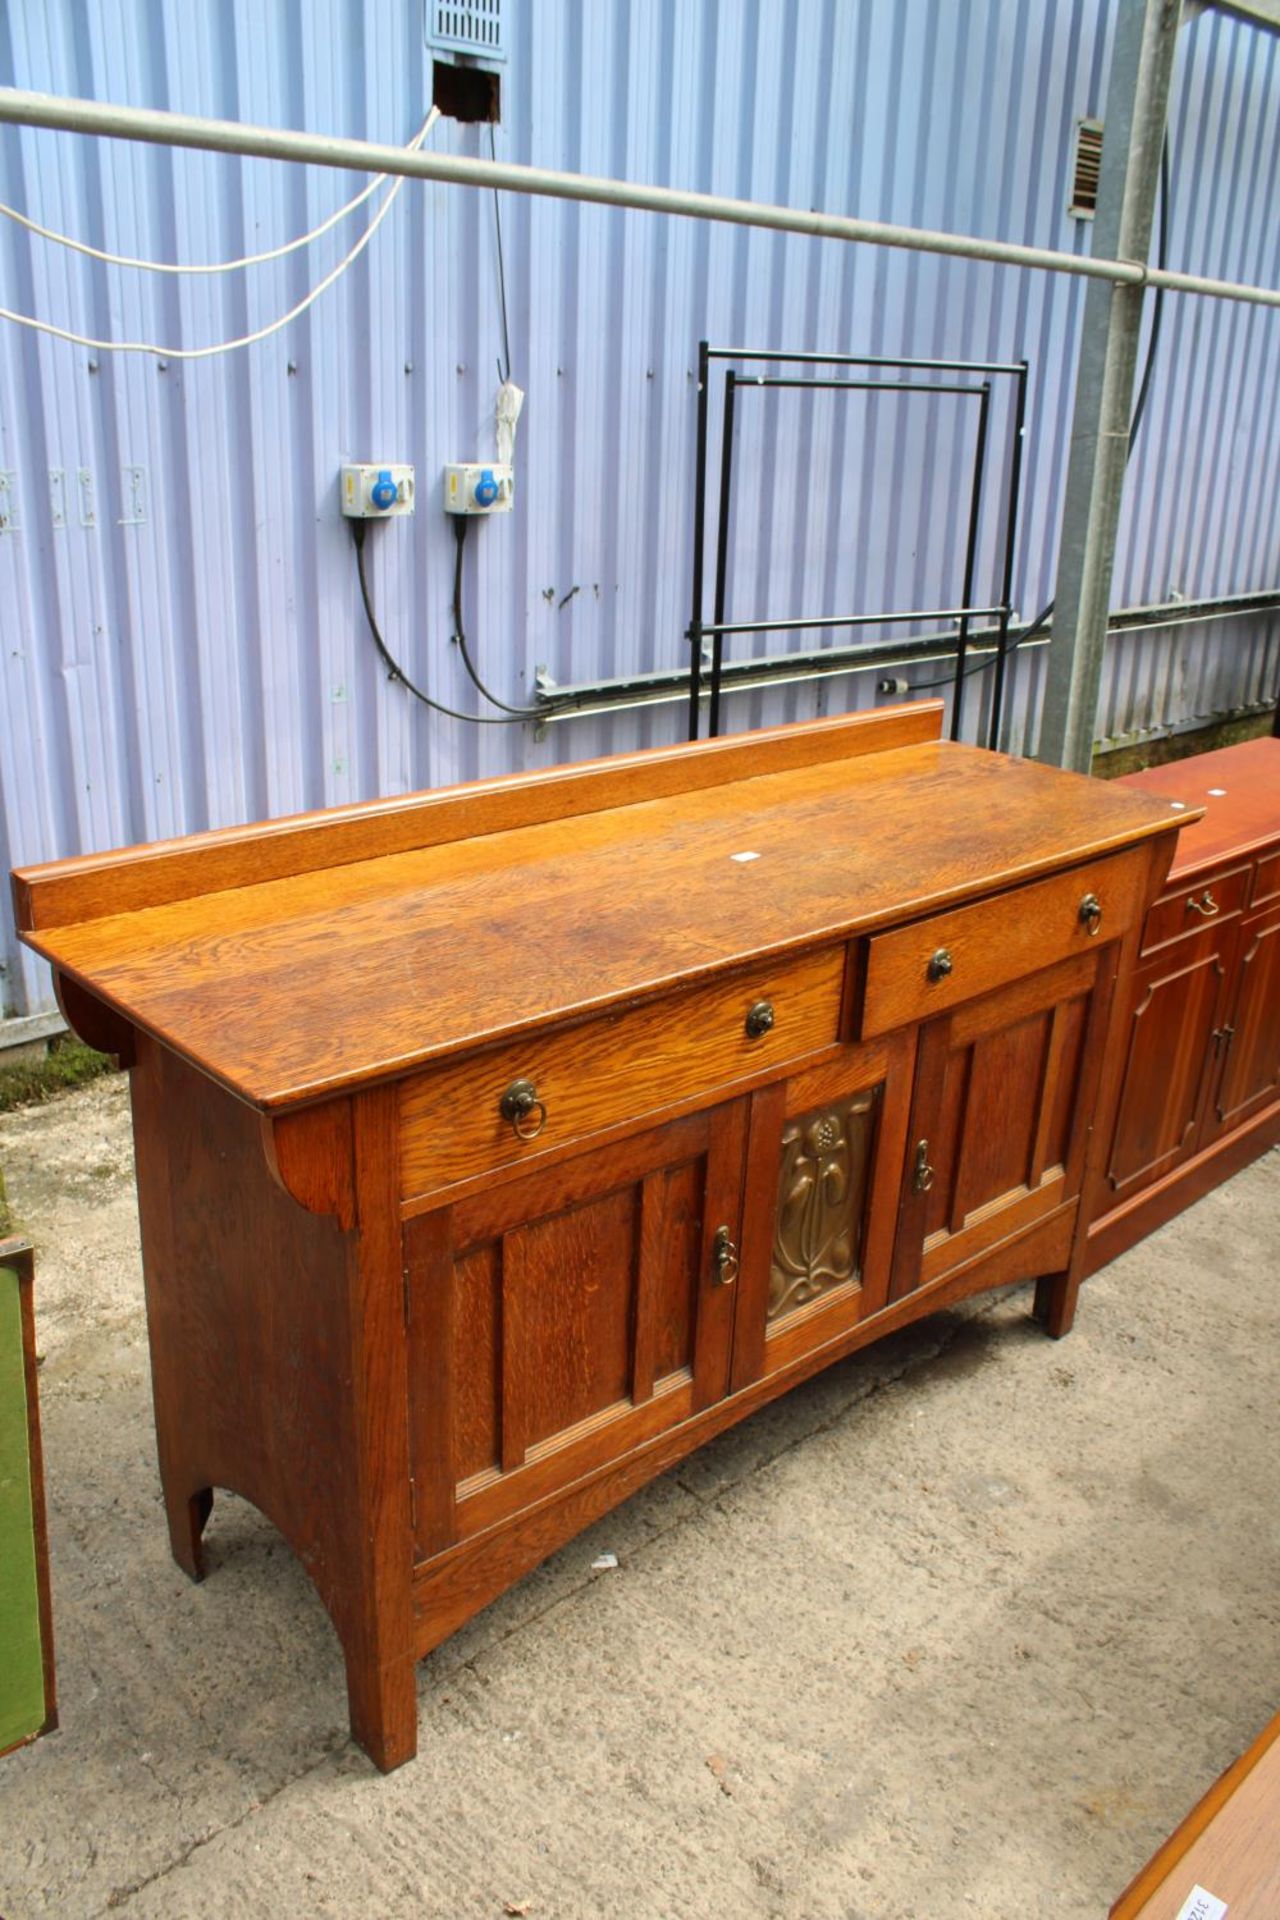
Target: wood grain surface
1228,1845
1238,789
997,941
98,885
615,1068
288,989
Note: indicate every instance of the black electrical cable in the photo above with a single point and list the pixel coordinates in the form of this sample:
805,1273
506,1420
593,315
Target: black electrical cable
396,671
1043,618
460,635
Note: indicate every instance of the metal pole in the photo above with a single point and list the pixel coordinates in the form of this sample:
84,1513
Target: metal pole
1010,551
970,559
722,553
1137,104
699,540
366,156
20,108
779,355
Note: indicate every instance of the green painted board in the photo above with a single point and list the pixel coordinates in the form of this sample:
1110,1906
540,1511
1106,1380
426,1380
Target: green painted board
22,1705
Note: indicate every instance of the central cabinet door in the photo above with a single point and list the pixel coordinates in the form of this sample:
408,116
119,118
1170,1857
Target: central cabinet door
559,1320
1004,1089
823,1170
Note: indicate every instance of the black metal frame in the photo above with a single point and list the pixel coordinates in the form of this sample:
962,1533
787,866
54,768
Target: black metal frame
718,626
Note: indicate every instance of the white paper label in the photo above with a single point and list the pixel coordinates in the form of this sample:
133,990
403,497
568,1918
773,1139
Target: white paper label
1200,1905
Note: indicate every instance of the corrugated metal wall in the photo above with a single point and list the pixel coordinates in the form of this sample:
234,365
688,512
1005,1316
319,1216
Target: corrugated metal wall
182,640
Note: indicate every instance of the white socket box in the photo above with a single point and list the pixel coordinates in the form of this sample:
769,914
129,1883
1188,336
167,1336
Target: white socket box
376,490
478,486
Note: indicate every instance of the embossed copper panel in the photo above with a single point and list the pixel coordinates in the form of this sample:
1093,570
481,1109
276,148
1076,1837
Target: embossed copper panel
822,1197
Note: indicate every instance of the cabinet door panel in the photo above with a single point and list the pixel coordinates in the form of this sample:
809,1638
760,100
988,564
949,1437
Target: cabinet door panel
1250,1074
1177,1003
572,1313
996,1139
823,1170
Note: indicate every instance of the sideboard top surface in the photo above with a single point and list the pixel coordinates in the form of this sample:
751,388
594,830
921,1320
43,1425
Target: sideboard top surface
290,989
1239,789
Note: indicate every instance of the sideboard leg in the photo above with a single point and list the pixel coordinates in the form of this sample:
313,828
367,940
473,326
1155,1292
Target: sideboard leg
188,1516
1055,1302
384,1710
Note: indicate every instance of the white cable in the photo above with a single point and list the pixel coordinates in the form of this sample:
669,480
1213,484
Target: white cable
506,416
248,339
220,266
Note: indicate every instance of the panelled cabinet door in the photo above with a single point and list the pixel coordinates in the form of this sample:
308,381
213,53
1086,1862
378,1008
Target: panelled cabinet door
998,1128
1249,1044
823,1168
1178,1006
559,1320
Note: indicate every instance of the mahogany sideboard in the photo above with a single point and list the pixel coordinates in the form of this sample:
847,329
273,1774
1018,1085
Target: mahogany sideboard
496,1146
1200,1096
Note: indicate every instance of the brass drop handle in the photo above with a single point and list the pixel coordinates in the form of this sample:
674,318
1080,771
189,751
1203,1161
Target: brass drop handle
1205,905
724,1259
922,1177
1091,913
759,1019
940,964
521,1106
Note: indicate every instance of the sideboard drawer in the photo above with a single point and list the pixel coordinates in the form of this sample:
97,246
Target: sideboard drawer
917,971
1267,884
614,1068
1190,910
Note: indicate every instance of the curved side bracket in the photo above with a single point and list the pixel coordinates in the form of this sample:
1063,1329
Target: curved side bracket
93,1021
310,1155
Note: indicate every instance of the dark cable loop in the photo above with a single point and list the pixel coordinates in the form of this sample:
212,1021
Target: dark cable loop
459,632
396,671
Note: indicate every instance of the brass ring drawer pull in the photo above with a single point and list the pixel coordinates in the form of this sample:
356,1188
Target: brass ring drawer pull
759,1019
1091,913
940,964
922,1173
521,1106
724,1259
1205,905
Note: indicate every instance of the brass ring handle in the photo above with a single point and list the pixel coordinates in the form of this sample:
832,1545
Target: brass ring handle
1206,905
1091,913
521,1106
724,1259
922,1173
759,1019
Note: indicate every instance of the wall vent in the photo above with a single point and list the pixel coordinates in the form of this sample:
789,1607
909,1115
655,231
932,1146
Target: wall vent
467,26
1088,166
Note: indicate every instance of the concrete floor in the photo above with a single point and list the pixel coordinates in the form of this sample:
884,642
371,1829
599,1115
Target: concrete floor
962,1627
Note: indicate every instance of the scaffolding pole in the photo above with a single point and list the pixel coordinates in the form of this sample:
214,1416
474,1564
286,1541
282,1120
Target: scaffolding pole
1137,105
158,128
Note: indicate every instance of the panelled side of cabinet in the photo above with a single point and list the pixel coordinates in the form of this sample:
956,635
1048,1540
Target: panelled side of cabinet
28,1693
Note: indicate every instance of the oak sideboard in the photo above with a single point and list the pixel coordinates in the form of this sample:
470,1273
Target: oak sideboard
496,1146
